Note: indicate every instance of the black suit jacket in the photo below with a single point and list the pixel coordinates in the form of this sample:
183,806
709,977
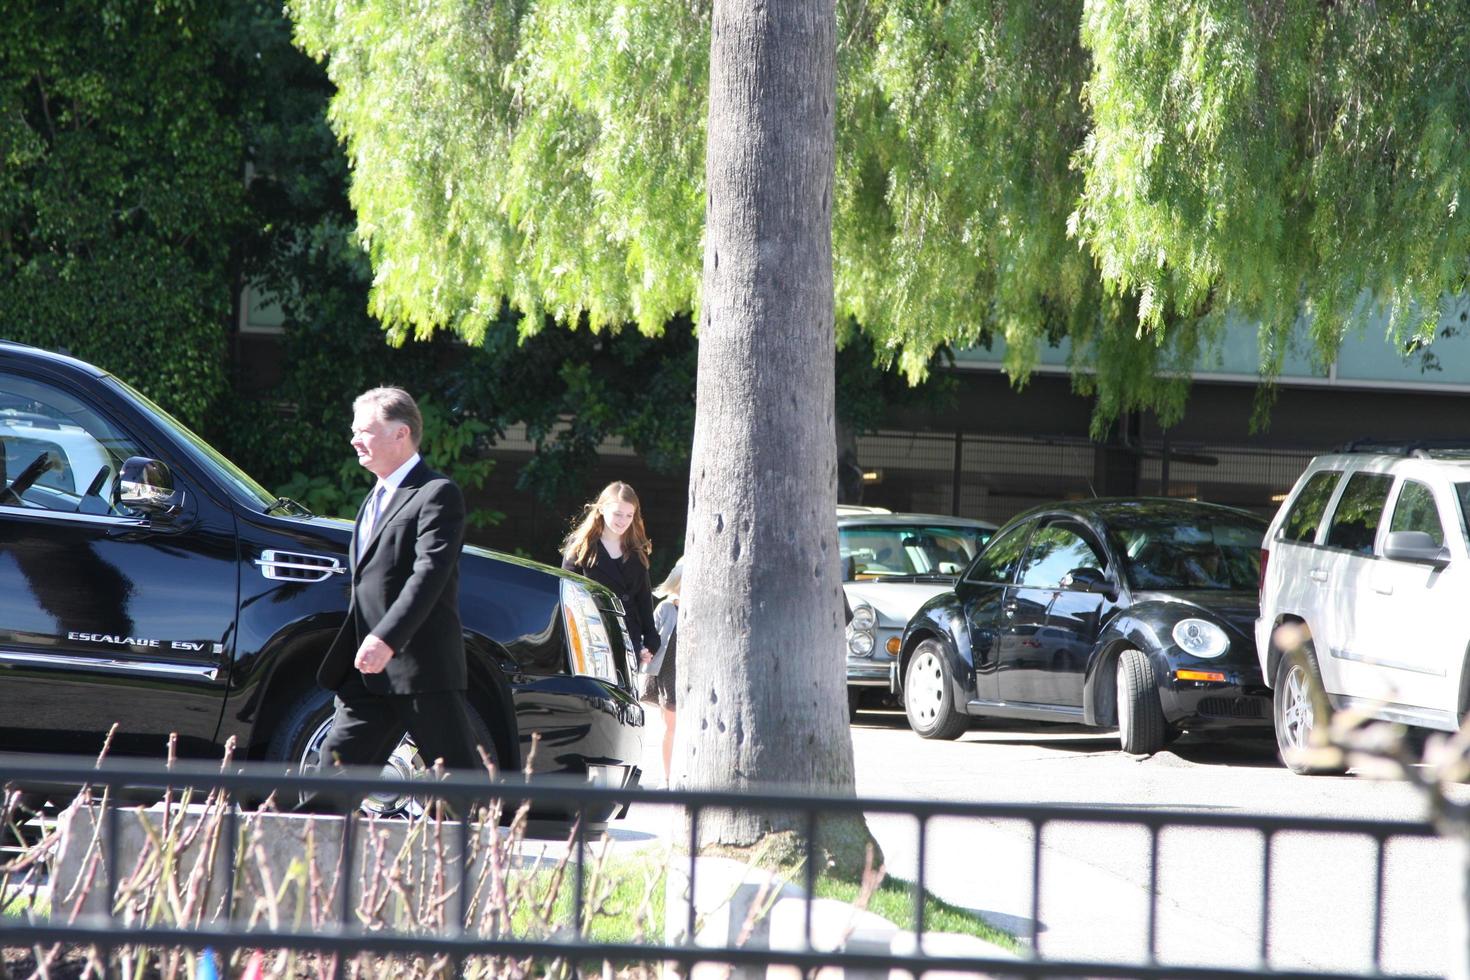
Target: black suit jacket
405,590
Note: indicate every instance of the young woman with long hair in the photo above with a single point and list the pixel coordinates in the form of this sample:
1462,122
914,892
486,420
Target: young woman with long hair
609,545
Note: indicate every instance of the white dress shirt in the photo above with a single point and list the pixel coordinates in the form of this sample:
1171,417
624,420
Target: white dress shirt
389,485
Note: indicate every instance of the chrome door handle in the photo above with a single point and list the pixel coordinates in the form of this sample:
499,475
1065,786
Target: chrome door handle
1383,588
1318,574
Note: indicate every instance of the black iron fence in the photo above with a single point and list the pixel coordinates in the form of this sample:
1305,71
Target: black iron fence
331,879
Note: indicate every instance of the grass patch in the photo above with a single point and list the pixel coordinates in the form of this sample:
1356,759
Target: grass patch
623,896
894,901
15,904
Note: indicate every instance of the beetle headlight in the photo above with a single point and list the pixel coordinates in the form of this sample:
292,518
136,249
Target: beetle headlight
1200,638
863,618
589,651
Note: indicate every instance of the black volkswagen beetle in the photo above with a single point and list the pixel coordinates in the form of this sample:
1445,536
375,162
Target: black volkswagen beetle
1134,613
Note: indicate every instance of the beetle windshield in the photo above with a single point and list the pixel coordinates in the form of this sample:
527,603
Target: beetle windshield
1168,551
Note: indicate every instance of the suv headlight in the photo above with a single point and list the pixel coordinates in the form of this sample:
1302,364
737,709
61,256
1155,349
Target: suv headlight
589,651
1200,638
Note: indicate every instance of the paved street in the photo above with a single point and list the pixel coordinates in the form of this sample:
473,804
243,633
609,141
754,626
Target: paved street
1095,879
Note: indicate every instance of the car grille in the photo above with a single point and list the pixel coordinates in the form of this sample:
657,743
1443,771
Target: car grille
1232,707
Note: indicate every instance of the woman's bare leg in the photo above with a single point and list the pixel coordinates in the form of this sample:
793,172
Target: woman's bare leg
670,716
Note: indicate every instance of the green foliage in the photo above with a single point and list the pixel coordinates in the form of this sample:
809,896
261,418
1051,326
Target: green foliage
562,165
120,190
1274,160
1123,173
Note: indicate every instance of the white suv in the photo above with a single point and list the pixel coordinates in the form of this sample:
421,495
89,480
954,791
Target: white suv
1368,557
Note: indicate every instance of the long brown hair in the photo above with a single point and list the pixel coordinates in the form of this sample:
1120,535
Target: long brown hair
580,544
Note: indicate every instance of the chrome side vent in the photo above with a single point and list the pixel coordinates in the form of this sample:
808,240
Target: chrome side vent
290,566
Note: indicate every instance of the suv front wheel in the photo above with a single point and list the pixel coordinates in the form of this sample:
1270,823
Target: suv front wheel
1301,714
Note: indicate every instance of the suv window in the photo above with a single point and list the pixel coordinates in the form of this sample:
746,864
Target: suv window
1054,551
997,563
1415,511
1306,511
1359,512
56,453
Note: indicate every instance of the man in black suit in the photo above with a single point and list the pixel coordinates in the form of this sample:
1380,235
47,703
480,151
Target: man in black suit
398,663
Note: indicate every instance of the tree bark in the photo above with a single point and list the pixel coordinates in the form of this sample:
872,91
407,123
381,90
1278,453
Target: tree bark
761,699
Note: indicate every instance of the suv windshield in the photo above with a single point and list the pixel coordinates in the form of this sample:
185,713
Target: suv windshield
1214,552
205,454
889,550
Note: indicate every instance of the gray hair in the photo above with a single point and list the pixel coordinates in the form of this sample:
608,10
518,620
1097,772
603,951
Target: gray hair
394,405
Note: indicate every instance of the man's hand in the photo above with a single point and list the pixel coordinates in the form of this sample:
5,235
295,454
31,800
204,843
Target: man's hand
644,656
373,655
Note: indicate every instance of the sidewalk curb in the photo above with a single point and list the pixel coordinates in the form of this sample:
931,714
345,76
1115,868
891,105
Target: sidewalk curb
733,897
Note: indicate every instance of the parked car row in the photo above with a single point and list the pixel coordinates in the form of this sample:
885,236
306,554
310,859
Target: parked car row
146,581
1157,616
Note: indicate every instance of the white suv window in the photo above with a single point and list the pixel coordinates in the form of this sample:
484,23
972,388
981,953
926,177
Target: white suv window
1305,517
1415,510
1359,512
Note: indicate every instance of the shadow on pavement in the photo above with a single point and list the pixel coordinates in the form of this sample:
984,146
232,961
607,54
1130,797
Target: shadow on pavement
1212,749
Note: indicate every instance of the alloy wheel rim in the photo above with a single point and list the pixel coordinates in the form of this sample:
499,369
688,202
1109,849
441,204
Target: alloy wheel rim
1296,717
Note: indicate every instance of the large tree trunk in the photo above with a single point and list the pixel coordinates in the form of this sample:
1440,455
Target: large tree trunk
761,697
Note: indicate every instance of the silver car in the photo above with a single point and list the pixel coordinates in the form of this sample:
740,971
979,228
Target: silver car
891,565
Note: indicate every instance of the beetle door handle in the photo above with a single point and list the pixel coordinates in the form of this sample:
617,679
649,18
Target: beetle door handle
1009,608
1318,574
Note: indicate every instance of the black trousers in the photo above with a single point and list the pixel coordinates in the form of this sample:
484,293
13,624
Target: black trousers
367,727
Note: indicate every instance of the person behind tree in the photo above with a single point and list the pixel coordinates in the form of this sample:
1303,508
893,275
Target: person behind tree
666,621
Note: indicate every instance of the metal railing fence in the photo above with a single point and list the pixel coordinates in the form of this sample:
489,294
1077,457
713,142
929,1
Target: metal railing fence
224,930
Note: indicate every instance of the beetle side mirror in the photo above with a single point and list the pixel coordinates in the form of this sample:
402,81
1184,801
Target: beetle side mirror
1088,580
1415,546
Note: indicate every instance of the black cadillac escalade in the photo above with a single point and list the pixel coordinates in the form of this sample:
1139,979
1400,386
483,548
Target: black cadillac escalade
146,581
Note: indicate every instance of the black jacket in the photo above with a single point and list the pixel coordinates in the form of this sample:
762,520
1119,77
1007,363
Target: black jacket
628,579
405,591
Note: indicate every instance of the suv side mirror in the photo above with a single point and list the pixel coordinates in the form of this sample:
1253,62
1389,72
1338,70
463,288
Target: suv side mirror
1415,546
1088,580
147,485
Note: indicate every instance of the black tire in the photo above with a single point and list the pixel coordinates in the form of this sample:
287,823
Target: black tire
1301,714
928,695
1141,726
305,725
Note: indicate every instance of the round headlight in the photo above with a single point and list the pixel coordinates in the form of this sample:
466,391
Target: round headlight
860,644
1200,638
863,617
